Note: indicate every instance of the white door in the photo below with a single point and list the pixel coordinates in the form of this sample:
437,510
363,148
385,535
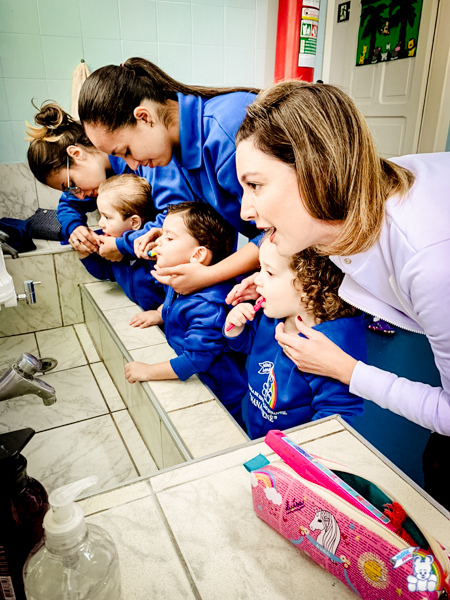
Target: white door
389,94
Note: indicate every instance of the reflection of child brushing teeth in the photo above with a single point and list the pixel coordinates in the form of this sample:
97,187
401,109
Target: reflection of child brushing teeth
257,306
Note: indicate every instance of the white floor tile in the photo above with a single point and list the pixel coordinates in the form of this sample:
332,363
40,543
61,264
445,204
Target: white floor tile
107,387
86,343
133,441
12,347
62,344
69,453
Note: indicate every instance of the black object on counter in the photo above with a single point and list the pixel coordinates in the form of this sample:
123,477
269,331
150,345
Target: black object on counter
23,505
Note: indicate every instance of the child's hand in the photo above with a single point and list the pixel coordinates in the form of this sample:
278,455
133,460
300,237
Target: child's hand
137,371
316,354
238,317
146,319
246,290
82,254
146,242
108,248
82,239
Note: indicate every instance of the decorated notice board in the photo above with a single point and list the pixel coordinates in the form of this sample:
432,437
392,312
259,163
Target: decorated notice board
388,30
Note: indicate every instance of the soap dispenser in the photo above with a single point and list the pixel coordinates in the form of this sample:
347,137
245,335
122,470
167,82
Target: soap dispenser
23,504
74,561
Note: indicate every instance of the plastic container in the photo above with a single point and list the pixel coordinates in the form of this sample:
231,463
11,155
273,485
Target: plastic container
23,504
74,561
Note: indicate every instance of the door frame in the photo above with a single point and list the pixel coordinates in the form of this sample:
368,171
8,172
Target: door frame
435,119
436,114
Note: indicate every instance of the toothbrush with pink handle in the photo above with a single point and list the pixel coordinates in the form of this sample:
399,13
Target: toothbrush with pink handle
257,306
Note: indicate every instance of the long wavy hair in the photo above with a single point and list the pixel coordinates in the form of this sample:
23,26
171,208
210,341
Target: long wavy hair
318,131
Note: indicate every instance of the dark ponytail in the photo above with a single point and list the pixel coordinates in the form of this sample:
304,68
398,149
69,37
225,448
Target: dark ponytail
55,131
110,95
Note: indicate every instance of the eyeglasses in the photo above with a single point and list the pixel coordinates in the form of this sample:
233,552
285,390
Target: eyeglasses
74,189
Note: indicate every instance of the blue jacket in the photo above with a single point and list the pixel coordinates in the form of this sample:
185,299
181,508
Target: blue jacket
279,395
193,326
207,155
133,276
168,187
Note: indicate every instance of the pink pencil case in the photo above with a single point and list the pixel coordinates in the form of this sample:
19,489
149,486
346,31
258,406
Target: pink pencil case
374,561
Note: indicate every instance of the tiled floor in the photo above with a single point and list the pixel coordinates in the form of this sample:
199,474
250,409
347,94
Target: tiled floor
88,431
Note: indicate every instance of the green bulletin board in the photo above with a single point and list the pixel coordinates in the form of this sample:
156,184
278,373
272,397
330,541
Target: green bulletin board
388,30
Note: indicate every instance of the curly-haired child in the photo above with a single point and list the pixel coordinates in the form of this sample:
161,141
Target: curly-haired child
279,395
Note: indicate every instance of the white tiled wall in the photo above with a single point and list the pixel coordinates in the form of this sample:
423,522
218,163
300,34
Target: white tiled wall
206,42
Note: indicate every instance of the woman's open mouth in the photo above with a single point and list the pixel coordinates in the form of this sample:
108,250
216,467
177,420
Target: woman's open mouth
272,235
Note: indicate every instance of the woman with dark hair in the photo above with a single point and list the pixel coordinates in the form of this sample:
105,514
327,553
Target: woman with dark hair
139,113
310,170
61,156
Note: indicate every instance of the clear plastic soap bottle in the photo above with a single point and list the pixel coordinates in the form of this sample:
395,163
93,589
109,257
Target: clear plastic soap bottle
74,561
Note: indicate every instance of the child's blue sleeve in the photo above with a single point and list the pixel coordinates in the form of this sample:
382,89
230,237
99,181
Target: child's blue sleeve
98,267
329,395
71,212
203,340
257,240
332,397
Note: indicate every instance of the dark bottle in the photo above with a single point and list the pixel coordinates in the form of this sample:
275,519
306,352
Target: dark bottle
23,504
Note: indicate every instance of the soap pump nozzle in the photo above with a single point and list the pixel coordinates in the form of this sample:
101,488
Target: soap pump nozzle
64,523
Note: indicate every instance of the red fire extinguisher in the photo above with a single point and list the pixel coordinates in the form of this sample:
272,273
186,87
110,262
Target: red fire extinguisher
296,39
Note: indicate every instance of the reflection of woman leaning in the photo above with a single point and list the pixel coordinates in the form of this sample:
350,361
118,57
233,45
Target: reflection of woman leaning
310,169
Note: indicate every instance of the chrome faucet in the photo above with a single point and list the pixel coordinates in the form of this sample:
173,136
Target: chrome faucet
19,380
7,249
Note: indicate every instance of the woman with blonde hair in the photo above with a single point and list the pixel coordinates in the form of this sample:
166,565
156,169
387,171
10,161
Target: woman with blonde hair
311,171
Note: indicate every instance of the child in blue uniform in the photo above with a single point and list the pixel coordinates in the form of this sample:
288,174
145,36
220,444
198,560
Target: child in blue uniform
280,396
194,233
61,156
125,204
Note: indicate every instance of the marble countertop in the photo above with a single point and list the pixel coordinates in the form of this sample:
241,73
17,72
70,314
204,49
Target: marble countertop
191,532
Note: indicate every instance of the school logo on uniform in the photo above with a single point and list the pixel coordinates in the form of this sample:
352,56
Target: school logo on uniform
269,390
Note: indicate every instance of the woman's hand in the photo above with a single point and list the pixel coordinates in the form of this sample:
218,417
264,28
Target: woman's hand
316,354
184,279
108,248
148,318
146,242
237,318
246,290
84,240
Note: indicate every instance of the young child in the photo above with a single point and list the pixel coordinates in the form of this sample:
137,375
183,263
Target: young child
125,204
279,395
194,233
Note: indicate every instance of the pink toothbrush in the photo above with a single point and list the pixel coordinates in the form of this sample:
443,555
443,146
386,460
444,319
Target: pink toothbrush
257,306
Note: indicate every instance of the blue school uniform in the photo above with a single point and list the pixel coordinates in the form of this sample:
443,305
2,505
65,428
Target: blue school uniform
133,276
193,326
168,187
279,395
206,156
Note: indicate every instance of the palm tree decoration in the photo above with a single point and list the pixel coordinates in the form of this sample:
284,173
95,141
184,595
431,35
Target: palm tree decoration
403,13
372,20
